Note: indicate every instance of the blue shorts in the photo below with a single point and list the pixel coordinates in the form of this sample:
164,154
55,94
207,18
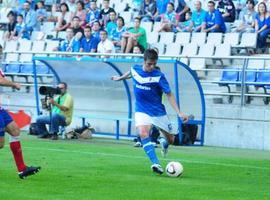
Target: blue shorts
5,119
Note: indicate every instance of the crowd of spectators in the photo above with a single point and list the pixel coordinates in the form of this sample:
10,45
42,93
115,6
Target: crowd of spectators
90,27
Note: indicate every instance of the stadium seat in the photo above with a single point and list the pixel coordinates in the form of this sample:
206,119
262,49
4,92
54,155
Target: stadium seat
147,26
231,39
25,45
61,35
205,50
263,78
12,68
42,69
189,50
160,46
152,37
248,40
230,75
198,38
166,37
38,35
173,49
11,45
255,64
156,26
27,68
38,46
251,76
126,15
51,44
182,38
119,7
223,50
214,38
47,27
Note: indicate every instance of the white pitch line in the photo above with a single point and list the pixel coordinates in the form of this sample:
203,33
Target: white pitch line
143,157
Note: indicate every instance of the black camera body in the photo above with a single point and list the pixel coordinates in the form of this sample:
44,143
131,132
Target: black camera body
49,92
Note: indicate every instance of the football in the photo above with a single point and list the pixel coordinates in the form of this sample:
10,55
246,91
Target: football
174,169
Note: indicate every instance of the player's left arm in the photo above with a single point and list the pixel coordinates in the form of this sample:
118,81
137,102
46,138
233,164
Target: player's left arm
125,76
171,99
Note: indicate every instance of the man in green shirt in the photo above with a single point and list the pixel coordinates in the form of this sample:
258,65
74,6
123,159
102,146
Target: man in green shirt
62,111
134,36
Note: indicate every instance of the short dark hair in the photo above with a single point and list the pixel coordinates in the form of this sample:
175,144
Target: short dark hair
88,27
122,19
251,2
82,3
150,54
64,4
11,13
104,31
137,18
212,2
76,17
20,15
172,4
64,83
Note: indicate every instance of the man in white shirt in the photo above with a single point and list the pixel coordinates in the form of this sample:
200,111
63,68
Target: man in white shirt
105,45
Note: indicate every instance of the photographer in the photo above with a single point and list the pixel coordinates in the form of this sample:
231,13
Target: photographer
62,109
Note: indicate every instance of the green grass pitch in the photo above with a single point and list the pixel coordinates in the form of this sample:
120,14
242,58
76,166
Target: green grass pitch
109,169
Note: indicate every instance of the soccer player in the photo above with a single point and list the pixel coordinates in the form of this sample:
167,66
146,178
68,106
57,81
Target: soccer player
7,124
149,84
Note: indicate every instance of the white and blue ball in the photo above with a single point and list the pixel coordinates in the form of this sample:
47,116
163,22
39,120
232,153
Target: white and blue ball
174,169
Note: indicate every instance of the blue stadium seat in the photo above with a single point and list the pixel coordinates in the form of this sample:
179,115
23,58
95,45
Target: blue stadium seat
251,77
42,69
263,78
229,77
27,68
12,68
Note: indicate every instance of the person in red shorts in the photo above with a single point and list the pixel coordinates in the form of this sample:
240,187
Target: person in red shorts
8,125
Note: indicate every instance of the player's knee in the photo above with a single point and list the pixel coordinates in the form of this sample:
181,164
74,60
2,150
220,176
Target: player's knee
16,131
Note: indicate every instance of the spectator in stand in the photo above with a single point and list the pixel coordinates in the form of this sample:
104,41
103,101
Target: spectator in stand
148,10
96,29
247,17
137,50
41,12
20,30
227,9
71,43
197,18
136,5
116,34
93,13
104,14
267,3
135,36
71,5
262,26
181,10
30,18
89,43
81,13
87,5
11,25
54,14
168,19
111,23
185,26
161,9
105,45
66,43
76,25
64,20
213,21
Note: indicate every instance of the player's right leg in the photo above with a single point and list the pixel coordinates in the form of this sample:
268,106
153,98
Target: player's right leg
149,148
144,124
16,149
